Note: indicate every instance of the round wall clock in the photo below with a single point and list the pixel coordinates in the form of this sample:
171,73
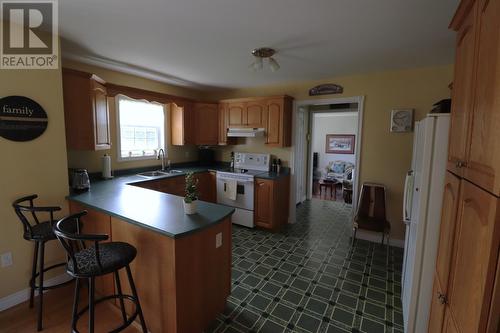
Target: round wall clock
402,120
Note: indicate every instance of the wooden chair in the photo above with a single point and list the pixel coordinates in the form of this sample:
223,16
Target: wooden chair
371,212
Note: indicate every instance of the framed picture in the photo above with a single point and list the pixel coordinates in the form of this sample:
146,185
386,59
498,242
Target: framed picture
340,144
402,120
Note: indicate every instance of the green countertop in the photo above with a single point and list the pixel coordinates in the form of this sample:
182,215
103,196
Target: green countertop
160,212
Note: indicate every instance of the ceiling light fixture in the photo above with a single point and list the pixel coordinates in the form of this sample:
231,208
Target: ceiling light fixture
260,54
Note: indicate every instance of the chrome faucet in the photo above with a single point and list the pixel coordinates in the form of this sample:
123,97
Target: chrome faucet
161,155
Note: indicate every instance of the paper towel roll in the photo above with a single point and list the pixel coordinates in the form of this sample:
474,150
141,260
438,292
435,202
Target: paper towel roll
106,167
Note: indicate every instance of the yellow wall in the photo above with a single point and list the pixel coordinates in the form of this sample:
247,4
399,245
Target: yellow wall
37,166
385,156
91,160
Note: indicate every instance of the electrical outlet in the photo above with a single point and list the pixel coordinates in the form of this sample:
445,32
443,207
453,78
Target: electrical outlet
218,240
6,259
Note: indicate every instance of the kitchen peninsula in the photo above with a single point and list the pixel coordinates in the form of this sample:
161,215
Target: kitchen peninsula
183,265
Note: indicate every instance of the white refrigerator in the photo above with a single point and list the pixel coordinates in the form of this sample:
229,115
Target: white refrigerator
423,196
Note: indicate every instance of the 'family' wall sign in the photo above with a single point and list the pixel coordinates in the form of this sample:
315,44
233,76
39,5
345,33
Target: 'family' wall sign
21,118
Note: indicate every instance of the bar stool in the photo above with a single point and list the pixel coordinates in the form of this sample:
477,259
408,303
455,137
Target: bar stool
96,260
40,233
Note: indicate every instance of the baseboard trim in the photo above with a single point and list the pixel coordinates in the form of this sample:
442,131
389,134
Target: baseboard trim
24,295
377,236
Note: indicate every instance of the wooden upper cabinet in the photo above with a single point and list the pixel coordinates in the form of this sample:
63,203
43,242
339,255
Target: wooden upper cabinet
236,114
279,122
476,253
445,251
85,111
181,124
462,95
223,124
483,164
206,116
255,113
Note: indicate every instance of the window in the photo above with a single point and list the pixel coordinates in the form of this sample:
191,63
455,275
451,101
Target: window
141,128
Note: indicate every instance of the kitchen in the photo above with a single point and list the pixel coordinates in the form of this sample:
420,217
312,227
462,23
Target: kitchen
181,162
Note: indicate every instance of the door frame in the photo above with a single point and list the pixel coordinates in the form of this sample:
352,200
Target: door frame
297,167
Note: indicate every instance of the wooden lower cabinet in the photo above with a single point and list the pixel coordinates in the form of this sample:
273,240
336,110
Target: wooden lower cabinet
476,248
271,202
449,324
182,283
206,186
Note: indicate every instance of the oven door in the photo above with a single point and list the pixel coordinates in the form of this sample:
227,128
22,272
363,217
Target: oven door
244,193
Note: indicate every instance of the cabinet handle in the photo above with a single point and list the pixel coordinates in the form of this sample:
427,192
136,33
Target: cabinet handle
442,298
460,164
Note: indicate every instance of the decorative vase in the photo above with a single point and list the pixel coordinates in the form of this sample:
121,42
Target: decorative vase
190,207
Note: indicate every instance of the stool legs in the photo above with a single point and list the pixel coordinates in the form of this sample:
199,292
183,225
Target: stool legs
33,274
91,304
75,305
40,286
134,293
122,304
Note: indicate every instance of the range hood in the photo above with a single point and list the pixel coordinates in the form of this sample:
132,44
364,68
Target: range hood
245,132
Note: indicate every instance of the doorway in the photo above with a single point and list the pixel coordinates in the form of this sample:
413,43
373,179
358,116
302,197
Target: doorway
315,132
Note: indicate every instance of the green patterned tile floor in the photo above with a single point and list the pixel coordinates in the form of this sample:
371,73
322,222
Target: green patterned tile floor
309,279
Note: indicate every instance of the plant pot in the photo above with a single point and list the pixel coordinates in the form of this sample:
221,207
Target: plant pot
190,208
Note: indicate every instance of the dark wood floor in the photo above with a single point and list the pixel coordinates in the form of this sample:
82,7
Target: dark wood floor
57,315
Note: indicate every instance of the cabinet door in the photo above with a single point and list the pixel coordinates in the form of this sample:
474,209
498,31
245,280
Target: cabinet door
449,326
207,123
274,121
483,165
255,113
101,116
463,93
206,186
236,114
177,125
476,249
264,203
223,121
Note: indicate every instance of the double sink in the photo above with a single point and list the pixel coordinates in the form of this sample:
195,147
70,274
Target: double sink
159,173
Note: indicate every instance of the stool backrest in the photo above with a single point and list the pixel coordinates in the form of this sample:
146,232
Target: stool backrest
68,232
26,210
372,202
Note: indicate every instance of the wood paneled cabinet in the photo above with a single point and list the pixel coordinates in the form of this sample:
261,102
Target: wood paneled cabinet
476,245
85,111
206,120
271,202
474,138
181,124
247,113
206,186
466,293
274,114
445,250
279,121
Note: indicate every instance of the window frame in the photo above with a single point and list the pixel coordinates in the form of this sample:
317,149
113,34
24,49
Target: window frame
161,138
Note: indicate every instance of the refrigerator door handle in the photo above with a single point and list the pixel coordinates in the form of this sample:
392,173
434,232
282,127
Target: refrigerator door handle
407,197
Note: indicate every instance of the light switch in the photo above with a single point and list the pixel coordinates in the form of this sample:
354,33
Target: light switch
6,259
218,240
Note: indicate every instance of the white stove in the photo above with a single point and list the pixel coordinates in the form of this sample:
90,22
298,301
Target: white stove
235,188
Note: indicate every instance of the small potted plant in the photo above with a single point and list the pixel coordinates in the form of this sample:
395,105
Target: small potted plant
191,194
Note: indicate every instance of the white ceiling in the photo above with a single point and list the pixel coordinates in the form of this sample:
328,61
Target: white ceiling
208,42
